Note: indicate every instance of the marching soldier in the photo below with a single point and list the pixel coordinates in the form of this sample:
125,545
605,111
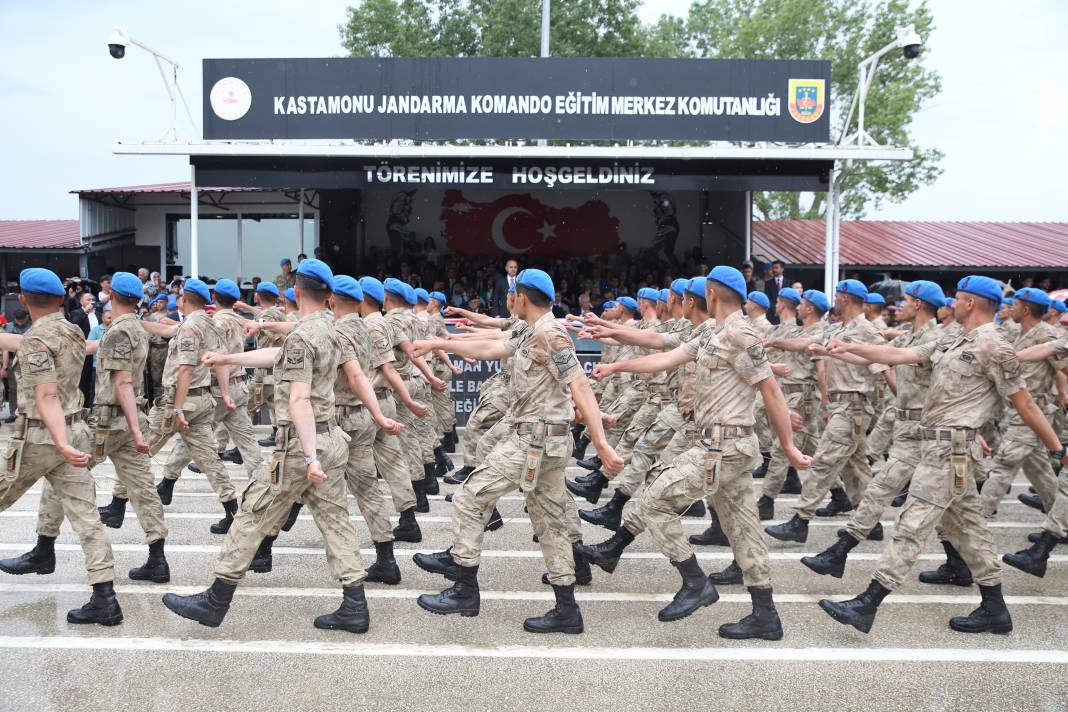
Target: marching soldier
51,441
971,372
157,346
756,307
439,398
269,308
444,409
287,279
308,464
1006,325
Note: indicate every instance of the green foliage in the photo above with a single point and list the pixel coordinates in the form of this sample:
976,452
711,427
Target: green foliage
842,31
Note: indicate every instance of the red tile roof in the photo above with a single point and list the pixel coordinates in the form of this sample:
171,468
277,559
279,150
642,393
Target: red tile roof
164,188
39,234
922,244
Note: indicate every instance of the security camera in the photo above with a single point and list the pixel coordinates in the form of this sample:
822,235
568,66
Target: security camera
117,42
910,43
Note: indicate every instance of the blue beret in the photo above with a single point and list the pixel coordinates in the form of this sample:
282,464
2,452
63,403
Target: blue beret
951,302
678,286
790,294
409,294
664,295
228,288
395,287
198,288
610,303
731,278
373,288
926,291
628,302
539,280
268,288
760,298
649,293
1035,296
128,285
422,295
1008,301
853,287
981,286
1059,305
817,299
696,286
285,261
39,280
318,270
291,295
346,286
439,296
172,301
874,298
160,298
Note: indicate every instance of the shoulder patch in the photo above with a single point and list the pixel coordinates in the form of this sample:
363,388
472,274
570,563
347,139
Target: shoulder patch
565,360
295,356
756,353
38,362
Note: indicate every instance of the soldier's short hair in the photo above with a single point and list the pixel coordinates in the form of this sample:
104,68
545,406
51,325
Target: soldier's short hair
725,294
1037,310
224,301
312,288
42,301
193,298
125,300
536,297
699,302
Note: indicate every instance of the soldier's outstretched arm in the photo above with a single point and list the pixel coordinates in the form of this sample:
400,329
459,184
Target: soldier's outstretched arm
258,358
653,363
796,345
1038,352
646,338
779,415
488,322
480,349
10,342
1034,418
876,353
157,329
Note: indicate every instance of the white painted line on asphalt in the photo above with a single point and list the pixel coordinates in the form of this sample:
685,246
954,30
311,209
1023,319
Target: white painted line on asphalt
489,554
726,654
547,595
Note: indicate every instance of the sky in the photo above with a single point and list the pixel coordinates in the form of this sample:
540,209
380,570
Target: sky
64,101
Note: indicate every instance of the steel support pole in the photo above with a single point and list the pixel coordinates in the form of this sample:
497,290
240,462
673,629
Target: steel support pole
194,218
828,241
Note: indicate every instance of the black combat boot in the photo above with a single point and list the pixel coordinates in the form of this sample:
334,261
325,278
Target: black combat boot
696,592
351,616
270,441
765,508
564,617
422,504
832,561
112,515
606,554
583,574
1033,501
192,467
430,480
587,478
206,608
713,535
590,463
590,492
762,468
610,516
762,623
223,525
461,598
794,530
41,559
839,504
165,490
990,617
232,455
1036,536
581,443
103,607
449,441
792,484
156,569
442,463
954,572
697,509
900,499
407,528
440,563
459,476
858,612
291,518
496,521
1033,559
263,561
729,576
384,569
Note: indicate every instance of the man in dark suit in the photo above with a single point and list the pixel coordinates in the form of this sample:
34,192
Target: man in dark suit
773,286
500,289
85,318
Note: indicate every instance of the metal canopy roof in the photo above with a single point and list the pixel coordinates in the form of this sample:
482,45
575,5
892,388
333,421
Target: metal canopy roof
39,235
159,188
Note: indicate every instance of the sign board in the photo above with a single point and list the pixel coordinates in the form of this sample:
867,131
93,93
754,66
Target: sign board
436,98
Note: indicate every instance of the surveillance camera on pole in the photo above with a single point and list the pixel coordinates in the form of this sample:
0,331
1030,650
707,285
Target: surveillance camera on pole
910,43
118,41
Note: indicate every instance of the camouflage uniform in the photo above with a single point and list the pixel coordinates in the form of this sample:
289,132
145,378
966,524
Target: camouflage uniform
730,361
492,401
763,328
656,397
444,409
632,394
309,355
413,437
545,363
53,351
971,373
1057,518
285,281
262,392
428,435
124,347
157,356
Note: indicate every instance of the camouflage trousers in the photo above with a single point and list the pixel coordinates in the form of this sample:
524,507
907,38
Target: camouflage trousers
389,458
731,492
805,440
489,409
1057,520
361,428
641,422
884,487
625,407
413,436
277,486
934,499
552,510
883,431
492,438
74,488
841,451
135,482
198,440
444,409
234,422
1020,448
648,448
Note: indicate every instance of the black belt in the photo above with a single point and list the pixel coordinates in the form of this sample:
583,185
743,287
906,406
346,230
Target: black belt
846,397
198,391
946,433
357,406
727,431
550,428
908,413
68,419
796,387
321,426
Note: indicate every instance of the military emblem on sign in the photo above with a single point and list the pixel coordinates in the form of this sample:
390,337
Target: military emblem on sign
807,99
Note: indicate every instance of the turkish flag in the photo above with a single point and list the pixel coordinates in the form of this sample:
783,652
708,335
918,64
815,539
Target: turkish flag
520,224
